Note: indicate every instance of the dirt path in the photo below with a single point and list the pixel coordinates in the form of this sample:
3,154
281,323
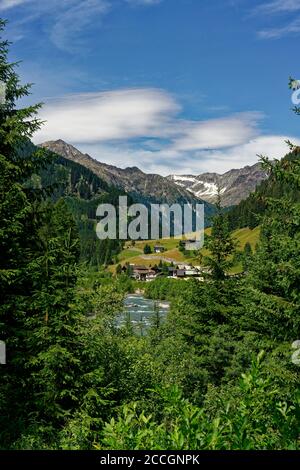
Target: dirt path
163,259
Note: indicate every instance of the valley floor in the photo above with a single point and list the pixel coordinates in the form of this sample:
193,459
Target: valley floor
133,253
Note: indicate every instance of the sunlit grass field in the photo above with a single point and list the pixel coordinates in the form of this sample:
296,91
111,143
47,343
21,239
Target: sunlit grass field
134,252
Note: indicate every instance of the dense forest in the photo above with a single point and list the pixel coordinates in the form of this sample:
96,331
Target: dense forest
82,191
248,212
217,374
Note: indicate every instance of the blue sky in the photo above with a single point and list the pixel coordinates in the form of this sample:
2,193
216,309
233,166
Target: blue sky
171,86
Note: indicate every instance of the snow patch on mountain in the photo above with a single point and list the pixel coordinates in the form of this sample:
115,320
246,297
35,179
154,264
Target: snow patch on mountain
235,185
178,179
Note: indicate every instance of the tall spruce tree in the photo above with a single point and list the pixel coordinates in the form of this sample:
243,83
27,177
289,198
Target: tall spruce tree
18,228
39,320
54,319
201,318
275,269
220,244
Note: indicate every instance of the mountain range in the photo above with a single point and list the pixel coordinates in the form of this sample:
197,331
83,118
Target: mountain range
142,187
235,185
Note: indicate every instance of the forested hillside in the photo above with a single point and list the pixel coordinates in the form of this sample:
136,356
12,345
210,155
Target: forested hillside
249,211
82,192
142,187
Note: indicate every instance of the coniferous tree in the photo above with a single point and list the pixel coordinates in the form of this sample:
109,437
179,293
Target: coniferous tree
246,256
38,254
54,318
147,249
220,245
275,271
119,270
19,225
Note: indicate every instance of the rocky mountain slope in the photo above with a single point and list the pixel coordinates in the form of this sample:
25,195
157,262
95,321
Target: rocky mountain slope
235,185
141,186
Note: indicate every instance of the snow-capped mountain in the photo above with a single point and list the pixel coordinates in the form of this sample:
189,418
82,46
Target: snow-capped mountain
143,187
235,185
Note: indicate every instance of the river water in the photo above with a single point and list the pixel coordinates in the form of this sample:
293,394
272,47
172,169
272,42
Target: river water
140,312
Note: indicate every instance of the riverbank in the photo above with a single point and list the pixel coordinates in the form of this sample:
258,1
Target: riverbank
141,312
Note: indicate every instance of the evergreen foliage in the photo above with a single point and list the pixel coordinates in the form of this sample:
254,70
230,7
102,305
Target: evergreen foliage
217,374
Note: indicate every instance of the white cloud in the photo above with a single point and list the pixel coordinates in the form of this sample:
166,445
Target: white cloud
69,20
279,6
7,4
74,20
142,127
292,28
144,2
239,156
166,161
105,116
143,113
218,133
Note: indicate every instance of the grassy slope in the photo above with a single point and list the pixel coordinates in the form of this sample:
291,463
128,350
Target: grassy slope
134,254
